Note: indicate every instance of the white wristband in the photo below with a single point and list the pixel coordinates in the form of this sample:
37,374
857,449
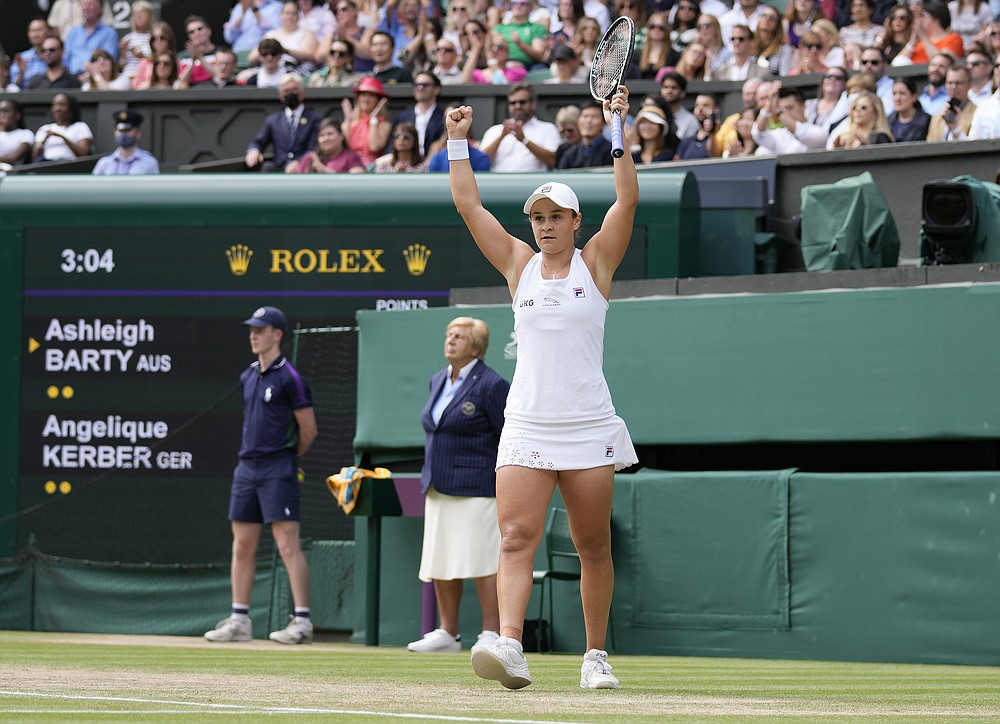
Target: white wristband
458,150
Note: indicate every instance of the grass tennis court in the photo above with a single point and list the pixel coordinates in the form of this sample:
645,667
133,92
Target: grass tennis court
87,677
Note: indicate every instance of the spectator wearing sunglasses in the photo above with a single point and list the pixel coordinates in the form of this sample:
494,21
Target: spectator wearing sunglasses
199,51
986,122
743,64
349,27
426,116
339,69
500,68
446,66
830,104
866,123
874,66
744,12
981,69
684,19
56,75
273,65
522,142
405,156
898,34
810,55
657,52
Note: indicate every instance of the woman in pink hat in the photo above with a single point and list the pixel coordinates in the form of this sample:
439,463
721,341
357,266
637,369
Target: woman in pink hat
365,126
560,427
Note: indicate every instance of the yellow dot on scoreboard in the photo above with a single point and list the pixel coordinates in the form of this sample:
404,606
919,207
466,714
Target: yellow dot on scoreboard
65,487
52,392
50,486
67,392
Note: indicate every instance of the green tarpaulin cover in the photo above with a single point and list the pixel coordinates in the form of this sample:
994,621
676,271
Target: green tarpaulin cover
847,225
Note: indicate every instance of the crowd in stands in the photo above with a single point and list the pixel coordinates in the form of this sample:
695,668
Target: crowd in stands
366,45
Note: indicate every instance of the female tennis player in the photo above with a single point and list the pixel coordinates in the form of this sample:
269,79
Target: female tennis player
560,425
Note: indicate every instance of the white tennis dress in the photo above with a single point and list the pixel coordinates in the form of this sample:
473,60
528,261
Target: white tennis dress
559,413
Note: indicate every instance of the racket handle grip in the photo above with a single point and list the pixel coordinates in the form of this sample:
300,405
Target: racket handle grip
617,147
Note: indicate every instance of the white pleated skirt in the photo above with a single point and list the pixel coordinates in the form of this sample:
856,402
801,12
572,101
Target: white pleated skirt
566,445
461,537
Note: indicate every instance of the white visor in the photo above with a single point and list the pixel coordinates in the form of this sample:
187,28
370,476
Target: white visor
560,194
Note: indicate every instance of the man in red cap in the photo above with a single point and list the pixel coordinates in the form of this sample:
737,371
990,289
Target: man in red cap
292,131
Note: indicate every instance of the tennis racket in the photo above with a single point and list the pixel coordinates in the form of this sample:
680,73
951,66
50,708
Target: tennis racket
610,62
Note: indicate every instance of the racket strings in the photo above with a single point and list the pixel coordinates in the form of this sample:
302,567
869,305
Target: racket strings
611,62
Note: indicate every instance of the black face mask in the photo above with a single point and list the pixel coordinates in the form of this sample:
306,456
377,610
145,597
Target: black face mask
292,101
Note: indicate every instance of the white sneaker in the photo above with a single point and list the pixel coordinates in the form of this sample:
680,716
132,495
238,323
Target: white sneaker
502,661
231,629
298,631
437,641
596,671
486,638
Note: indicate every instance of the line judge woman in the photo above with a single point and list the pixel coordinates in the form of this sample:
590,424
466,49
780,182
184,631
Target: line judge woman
462,419
560,425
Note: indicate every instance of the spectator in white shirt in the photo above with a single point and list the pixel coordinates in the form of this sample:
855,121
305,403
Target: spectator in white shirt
874,65
986,122
744,12
981,70
522,143
781,125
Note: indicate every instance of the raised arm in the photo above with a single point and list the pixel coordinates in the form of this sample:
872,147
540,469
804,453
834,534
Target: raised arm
505,252
606,249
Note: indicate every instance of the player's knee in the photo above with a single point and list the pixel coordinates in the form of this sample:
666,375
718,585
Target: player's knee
517,538
594,550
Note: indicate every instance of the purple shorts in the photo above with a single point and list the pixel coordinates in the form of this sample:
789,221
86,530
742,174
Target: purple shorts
265,490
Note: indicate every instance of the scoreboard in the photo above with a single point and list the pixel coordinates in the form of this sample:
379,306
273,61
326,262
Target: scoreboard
128,295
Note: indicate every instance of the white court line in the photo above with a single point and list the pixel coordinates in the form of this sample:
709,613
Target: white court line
242,709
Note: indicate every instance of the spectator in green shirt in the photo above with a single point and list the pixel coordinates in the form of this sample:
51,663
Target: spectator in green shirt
526,39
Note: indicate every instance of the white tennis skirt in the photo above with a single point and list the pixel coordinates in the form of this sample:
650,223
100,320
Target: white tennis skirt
566,445
461,537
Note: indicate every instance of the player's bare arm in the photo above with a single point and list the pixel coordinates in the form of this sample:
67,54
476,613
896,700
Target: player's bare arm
505,252
606,249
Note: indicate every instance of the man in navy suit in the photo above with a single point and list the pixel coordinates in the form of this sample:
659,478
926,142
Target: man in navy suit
292,131
463,418
427,116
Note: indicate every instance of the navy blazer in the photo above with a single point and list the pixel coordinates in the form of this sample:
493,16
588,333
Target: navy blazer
287,146
460,452
576,156
435,127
